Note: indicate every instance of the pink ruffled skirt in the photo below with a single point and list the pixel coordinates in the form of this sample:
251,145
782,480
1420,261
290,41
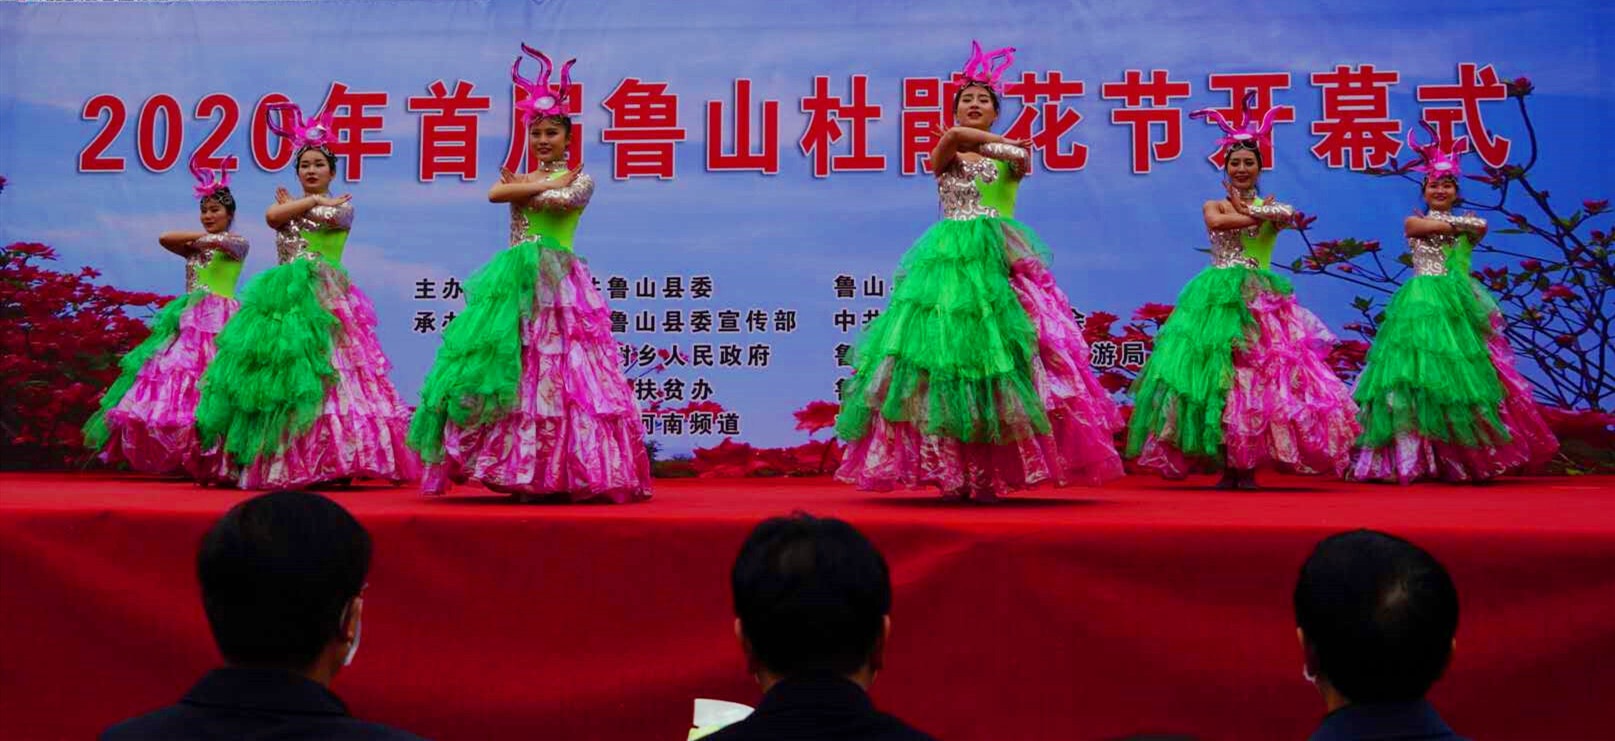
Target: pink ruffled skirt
1412,457
1078,449
153,428
576,429
1286,408
360,432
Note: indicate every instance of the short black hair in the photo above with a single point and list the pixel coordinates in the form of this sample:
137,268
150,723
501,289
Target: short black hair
1379,615
811,594
277,571
564,120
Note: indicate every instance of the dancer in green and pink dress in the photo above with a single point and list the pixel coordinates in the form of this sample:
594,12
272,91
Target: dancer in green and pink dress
527,395
976,378
147,417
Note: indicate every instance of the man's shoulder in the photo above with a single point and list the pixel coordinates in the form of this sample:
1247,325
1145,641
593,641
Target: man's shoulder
881,727
181,722
165,723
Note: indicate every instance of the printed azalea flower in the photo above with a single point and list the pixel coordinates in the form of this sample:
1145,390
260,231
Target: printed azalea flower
1348,356
1113,381
1519,87
816,416
1157,313
727,459
1595,207
1098,326
701,406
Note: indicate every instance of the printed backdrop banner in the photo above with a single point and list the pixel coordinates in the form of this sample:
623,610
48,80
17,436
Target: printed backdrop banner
760,166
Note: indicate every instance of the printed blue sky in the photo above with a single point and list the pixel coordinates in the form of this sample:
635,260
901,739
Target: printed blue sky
769,242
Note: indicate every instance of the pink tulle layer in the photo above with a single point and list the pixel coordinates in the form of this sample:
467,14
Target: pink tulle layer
1413,457
153,428
576,430
1078,449
361,430
1286,407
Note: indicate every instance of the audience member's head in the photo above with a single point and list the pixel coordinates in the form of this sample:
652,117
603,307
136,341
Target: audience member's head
812,596
1376,616
281,578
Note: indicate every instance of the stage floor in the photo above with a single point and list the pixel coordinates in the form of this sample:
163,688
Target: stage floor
1141,606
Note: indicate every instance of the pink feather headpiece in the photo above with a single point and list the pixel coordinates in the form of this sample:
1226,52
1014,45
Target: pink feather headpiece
317,133
1434,160
980,68
1245,133
209,182
542,100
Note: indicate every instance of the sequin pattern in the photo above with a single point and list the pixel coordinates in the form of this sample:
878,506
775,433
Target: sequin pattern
570,198
1228,246
203,249
956,188
1429,252
289,242
1010,154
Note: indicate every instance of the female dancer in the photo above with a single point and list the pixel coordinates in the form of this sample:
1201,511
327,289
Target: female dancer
148,415
527,395
299,393
1440,396
1240,373
976,377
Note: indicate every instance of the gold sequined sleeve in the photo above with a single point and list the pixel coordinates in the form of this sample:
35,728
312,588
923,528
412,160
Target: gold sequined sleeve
1014,156
1279,213
339,216
235,244
569,198
1467,223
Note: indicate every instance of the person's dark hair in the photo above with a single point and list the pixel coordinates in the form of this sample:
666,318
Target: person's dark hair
277,572
330,158
224,198
957,94
1379,615
564,121
811,594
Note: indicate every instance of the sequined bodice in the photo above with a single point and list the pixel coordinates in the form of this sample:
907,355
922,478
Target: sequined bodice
1250,246
982,186
1430,252
1228,246
215,263
553,214
292,239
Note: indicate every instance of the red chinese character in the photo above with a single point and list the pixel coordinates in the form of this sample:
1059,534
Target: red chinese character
1262,84
350,122
1160,91
923,101
1040,103
517,156
1472,88
448,129
1356,128
825,113
644,127
743,158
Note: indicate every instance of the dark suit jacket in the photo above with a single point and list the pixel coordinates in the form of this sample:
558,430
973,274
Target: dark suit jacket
255,705
808,708
1385,721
